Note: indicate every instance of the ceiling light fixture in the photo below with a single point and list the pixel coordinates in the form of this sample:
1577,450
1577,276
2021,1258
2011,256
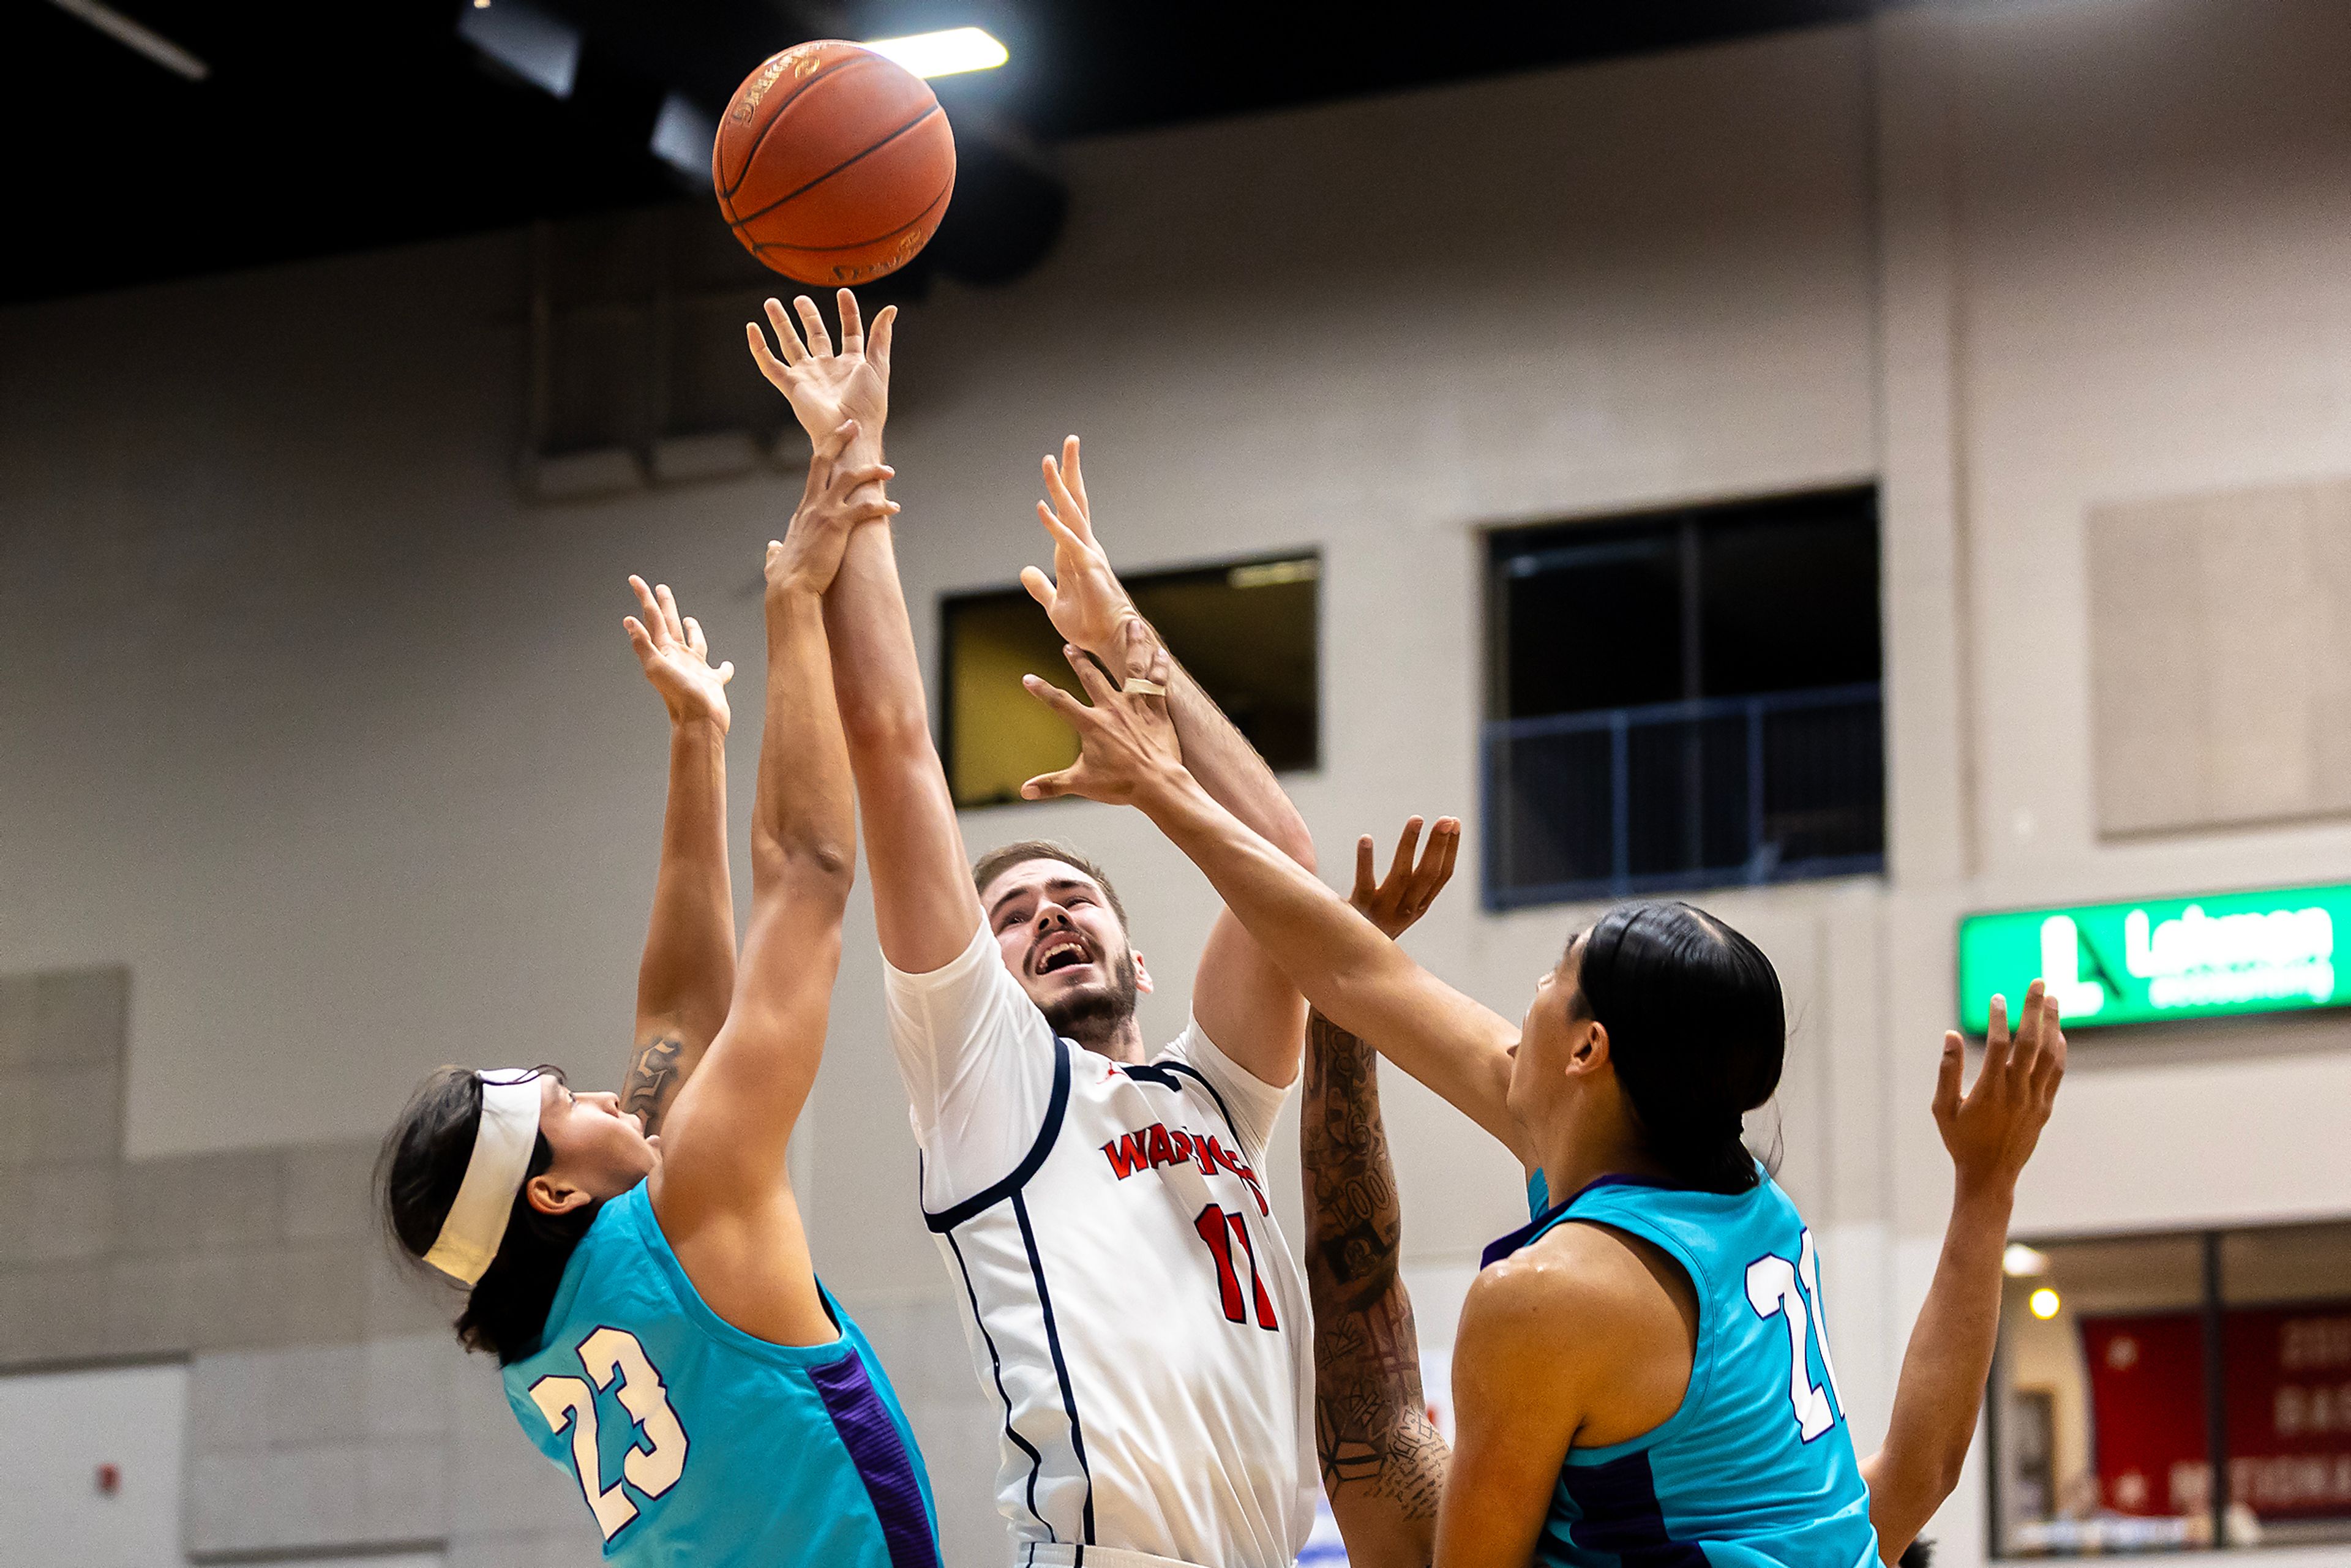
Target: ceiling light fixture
2022,1262
945,54
146,40
541,49
2044,1303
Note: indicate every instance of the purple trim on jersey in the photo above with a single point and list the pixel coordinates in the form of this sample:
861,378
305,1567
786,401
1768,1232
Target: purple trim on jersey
880,1454
1621,1513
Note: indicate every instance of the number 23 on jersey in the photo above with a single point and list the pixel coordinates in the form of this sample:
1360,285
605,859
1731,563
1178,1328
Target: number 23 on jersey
653,1468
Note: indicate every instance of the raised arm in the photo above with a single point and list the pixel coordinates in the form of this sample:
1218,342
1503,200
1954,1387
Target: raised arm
925,910
1354,976
687,972
1382,1460
1240,996
720,1191
1990,1133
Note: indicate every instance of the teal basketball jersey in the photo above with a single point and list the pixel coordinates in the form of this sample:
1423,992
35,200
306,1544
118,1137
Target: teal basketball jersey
693,1442
1756,1468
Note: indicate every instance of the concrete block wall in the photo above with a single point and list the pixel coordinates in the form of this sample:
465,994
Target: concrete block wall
329,1409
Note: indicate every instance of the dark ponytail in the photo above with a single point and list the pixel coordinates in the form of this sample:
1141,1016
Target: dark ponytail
1697,1030
418,1172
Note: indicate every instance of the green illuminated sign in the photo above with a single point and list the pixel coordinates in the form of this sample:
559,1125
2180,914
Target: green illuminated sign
2217,955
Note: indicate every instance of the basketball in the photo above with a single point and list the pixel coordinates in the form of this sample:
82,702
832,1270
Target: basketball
833,166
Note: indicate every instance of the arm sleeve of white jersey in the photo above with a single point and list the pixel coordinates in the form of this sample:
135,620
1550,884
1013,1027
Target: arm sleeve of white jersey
1253,1102
978,1061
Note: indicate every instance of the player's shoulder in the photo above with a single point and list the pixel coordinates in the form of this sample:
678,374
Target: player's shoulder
1589,1272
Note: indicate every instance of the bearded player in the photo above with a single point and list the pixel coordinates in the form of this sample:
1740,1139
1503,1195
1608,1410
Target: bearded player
1129,1304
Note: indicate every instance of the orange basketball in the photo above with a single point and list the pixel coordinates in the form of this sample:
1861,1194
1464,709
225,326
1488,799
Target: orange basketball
833,166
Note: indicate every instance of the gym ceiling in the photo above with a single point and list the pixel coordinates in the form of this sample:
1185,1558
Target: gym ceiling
340,125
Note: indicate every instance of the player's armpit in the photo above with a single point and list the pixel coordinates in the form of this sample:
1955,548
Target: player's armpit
656,1070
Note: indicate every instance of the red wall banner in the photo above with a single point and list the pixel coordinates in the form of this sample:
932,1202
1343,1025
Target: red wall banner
2288,1410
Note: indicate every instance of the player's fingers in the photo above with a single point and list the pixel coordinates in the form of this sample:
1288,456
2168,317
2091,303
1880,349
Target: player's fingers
726,671
1070,472
1063,536
1445,842
844,480
696,644
788,338
1054,697
1996,1043
1072,512
1407,845
872,511
2051,1070
1364,886
819,341
877,347
1048,785
853,325
1039,587
670,619
2024,1052
637,638
1947,1076
645,600
762,356
827,451
1090,675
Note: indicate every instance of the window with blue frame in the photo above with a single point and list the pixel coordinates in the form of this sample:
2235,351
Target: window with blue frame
1684,699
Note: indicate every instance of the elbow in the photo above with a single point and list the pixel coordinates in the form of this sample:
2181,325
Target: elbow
810,865
884,726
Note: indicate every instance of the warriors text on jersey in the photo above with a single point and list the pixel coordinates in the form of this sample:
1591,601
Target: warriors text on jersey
1756,1469
695,1443
1131,1306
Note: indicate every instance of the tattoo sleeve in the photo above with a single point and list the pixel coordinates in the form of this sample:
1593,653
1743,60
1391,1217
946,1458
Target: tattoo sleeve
654,1073
1382,1460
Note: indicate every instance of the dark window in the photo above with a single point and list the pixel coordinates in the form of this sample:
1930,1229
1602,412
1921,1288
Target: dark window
2126,1365
1246,630
1684,699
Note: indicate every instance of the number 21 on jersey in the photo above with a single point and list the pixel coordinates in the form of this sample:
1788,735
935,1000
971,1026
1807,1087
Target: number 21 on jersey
1777,1288
605,1354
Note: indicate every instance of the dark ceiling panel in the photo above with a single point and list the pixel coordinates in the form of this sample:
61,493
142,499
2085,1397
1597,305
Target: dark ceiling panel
367,122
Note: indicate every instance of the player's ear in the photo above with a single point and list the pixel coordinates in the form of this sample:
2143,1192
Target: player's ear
1590,1052
550,1195
1142,975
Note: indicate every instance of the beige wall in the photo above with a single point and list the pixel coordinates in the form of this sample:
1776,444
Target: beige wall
311,721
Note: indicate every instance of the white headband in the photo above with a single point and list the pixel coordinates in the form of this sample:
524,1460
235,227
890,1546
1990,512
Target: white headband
494,1173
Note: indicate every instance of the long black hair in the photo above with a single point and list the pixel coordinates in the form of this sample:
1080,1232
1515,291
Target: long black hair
417,1175
1696,1029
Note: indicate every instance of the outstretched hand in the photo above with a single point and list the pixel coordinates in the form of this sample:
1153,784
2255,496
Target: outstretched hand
808,555
1126,741
1083,598
1405,895
822,386
1992,1131
676,659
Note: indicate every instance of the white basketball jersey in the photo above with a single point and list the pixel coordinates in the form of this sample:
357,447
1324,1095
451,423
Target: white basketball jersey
1131,1307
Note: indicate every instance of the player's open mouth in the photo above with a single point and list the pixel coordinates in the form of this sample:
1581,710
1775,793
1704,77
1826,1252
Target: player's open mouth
1060,953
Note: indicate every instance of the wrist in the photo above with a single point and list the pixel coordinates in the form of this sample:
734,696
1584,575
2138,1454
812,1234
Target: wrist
1990,1195
697,725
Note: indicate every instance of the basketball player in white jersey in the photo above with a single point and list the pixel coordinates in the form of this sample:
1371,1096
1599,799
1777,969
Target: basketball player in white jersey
1131,1306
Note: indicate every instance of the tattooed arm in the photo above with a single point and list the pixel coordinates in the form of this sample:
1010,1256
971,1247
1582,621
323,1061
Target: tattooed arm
1382,1460
687,973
